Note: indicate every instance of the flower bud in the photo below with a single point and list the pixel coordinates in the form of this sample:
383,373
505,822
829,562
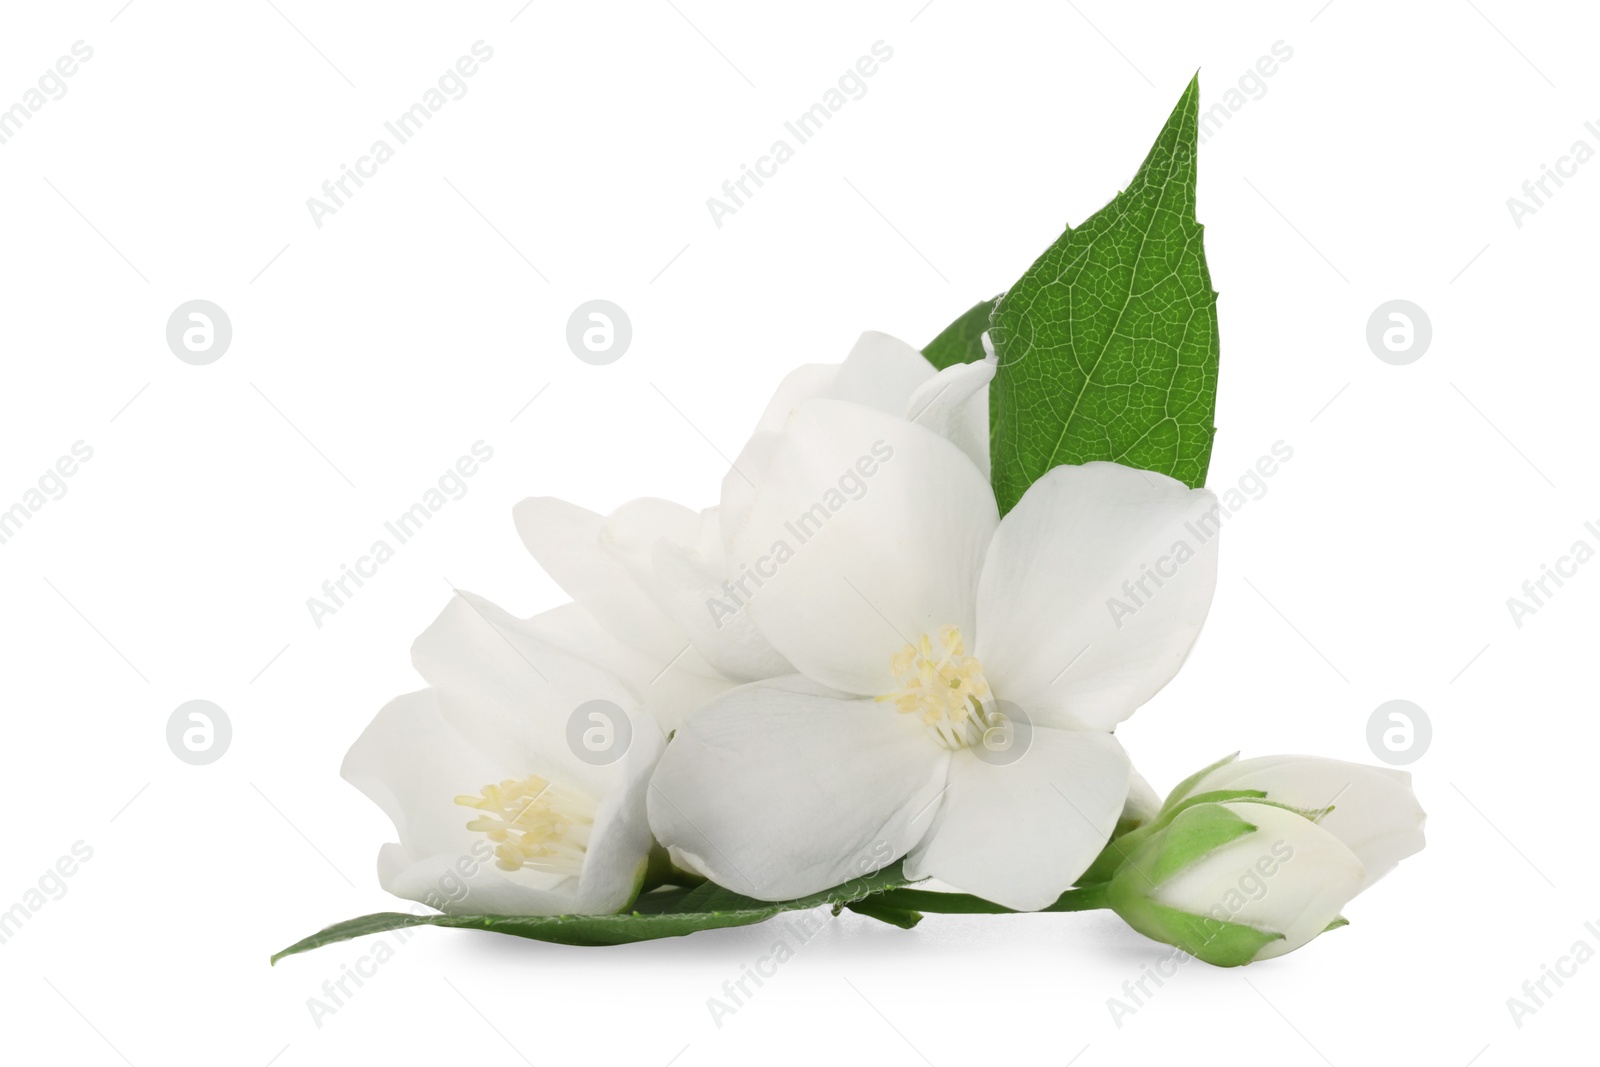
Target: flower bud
1234,882
1371,809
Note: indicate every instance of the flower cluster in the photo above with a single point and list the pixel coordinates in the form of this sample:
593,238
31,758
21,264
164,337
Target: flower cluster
855,660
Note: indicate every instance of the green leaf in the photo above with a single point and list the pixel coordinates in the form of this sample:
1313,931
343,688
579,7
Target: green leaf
664,913
941,903
904,918
1108,344
961,341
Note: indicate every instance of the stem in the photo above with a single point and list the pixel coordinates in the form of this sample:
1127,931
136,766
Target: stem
1087,898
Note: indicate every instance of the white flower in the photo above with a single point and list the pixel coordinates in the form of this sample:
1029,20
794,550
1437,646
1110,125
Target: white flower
497,811
1374,812
1235,882
655,574
608,565
920,623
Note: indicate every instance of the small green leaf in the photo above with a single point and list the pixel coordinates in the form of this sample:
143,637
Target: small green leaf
961,341
904,918
664,913
1108,345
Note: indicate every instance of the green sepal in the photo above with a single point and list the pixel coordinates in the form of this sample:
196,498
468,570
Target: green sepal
1120,847
1181,790
1215,941
1192,834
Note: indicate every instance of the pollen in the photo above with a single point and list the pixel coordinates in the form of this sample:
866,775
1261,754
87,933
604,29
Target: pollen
942,685
534,824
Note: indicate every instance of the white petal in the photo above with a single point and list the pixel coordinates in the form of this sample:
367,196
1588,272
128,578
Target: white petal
413,764
868,532
1021,833
1375,813
880,372
1058,633
1143,803
567,541
695,587
670,690
955,404
461,885
511,694
619,844
1289,877
782,788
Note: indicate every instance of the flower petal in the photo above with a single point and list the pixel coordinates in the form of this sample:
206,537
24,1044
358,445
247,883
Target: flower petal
671,690
955,404
868,532
569,544
510,692
1375,813
783,788
1095,586
880,372
723,633
1021,833
412,764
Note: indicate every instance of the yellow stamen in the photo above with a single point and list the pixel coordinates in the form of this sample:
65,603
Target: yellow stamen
943,685
534,823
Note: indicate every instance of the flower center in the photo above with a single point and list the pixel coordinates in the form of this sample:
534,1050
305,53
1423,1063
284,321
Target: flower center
945,686
534,823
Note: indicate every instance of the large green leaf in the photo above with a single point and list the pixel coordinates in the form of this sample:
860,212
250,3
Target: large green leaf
1108,344
663,913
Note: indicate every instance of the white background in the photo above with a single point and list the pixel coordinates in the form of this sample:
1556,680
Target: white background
370,353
